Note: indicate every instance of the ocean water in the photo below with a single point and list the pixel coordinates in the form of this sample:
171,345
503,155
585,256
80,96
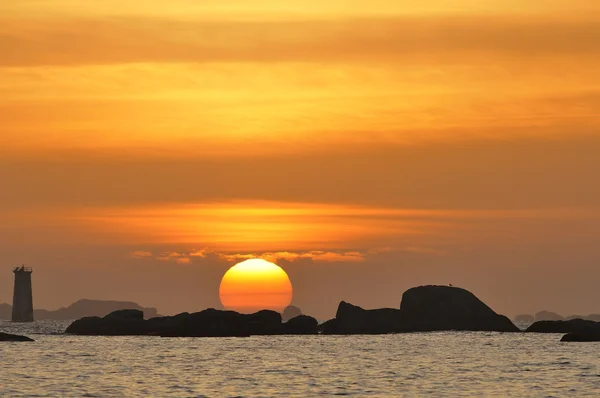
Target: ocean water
421,364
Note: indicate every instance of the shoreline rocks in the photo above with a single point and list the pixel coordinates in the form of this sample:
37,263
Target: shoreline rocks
571,326
14,337
582,337
423,309
207,323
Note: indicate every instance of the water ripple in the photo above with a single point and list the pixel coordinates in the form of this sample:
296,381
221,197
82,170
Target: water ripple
431,364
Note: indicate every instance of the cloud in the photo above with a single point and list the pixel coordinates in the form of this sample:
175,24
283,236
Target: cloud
314,255
84,41
140,254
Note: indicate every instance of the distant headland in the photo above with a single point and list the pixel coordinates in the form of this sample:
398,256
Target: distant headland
82,308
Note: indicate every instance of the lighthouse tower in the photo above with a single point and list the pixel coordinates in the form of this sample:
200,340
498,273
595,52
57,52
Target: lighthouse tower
22,310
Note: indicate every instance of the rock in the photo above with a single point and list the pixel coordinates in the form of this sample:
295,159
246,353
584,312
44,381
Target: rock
572,326
352,319
548,316
525,318
571,317
207,323
291,311
328,327
116,325
437,308
13,337
423,309
582,337
128,315
301,324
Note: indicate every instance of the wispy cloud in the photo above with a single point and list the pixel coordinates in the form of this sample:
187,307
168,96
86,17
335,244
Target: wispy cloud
315,256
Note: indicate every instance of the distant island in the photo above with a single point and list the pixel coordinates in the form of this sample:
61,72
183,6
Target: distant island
82,308
553,316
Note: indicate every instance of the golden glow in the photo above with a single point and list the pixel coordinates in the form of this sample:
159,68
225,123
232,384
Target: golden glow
255,285
287,77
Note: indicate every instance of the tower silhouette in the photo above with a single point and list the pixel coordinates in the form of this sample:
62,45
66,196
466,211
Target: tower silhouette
22,310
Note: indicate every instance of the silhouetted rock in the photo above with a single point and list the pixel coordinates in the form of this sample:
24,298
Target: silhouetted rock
423,309
328,327
525,318
572,326
207,323
13,337
125,315
351,319
302,324
548,316
582,337
291,311
435,308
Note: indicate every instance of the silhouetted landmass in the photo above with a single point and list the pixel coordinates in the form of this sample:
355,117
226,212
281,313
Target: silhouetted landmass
423,309
13,337
525,318
548,316
291,311
80,309
571,326
207,323
581,337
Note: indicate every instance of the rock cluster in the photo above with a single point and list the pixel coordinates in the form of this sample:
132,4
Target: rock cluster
207,323
423,309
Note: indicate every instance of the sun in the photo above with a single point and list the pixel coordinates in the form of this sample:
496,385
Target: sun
255,285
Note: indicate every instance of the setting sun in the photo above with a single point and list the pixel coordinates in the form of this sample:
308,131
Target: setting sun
255,285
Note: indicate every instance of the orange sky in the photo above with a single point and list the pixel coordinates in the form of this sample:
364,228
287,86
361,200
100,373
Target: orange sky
367,146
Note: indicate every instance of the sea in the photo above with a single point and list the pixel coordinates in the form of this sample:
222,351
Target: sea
443,364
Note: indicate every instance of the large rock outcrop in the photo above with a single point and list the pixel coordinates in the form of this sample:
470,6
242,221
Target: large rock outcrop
13,337
571,326
433,308
423,309
207,323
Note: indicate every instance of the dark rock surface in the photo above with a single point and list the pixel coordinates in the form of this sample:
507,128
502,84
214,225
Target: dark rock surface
207,323
582,337
528,318
433,308
571,326
548,316
291,311
13,337
302,324
351,319
423,309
